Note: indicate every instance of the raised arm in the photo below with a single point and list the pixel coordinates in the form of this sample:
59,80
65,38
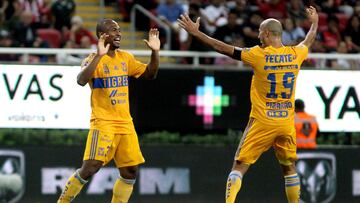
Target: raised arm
314,19
86,72
154,44
193,29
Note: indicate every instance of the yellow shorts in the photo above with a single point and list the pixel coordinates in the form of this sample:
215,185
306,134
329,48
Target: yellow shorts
105,146
259,137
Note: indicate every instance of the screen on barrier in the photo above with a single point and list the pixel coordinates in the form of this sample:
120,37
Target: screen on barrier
333,97
192,99
43,97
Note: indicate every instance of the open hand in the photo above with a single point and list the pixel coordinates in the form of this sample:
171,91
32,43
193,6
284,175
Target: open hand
101,48
187,24
153,42
312,14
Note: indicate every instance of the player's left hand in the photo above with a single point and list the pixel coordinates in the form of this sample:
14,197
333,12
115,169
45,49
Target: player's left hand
312,14
187,24
153,42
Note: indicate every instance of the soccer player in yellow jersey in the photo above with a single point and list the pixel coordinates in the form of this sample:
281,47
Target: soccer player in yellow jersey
271,122
112,134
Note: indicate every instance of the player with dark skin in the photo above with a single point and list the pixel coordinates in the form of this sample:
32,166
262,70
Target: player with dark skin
109,41
112,135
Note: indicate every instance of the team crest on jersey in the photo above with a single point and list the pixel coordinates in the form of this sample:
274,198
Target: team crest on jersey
101,151
123,66
106,69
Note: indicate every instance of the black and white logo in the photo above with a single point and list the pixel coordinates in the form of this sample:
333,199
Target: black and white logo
317,173
12,178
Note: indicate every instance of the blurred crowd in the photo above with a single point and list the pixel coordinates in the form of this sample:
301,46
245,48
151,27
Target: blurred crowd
53,24
42,24
237,22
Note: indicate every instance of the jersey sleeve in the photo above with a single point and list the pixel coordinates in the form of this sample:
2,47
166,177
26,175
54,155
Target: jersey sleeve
248,55
302,52
136,68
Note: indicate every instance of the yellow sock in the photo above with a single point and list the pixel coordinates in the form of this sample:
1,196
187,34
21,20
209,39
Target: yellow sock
122,190
72,188
292,188
233,186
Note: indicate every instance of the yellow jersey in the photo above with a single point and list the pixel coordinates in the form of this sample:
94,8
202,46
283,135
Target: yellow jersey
274,81
109,86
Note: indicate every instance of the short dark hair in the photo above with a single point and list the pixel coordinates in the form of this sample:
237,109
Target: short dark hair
100,26
299,105
195,7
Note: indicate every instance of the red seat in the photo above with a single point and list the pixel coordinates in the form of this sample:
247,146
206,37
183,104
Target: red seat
322,19
52,36
323,24
343,19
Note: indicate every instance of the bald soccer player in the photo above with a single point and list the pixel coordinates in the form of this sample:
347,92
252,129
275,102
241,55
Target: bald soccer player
271,121
112,134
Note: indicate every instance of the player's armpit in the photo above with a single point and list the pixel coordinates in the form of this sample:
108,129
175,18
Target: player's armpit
302,46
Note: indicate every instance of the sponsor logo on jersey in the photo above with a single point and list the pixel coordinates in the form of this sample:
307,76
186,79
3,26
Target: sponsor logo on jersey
277,113
115,93
110,82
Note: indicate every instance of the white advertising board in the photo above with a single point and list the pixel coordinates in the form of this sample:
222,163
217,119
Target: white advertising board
333,97
34,96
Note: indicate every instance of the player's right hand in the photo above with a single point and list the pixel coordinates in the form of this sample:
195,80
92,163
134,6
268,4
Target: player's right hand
102,49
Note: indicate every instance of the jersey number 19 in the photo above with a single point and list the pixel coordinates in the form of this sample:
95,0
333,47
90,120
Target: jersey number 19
287,83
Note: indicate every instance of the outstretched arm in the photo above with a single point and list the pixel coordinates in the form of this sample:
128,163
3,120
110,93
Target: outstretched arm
314,19
154,44
193,29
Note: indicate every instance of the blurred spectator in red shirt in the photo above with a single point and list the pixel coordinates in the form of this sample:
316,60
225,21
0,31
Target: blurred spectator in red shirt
78,31
273,8
331,37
